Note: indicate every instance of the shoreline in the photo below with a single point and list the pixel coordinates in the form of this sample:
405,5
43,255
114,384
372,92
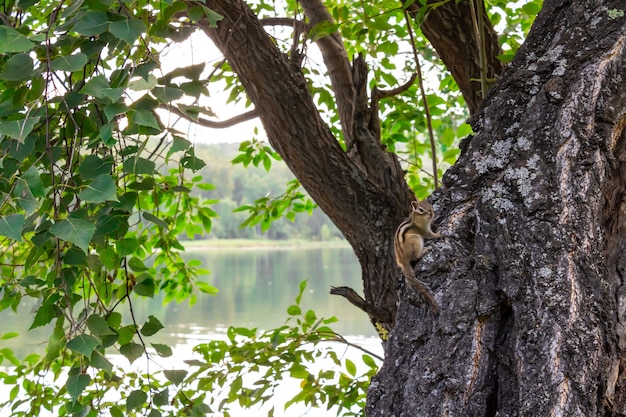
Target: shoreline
261,244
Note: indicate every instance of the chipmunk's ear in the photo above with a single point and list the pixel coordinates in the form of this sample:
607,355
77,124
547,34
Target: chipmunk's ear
415,205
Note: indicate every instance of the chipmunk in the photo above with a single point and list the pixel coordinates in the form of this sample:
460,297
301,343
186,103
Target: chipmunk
409,245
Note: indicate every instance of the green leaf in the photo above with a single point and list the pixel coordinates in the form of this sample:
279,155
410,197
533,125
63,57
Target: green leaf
74,230
206,288
24,197
98,325
154,219
93,23
175,376
19,67
135,399
137,264
144,118
11,226
127,30
146,287
76,384
13,41
151,327
99,87
162,350
350,367
69,63
167,94
294,310
93,166
45,313
178,144
99,361
116,412
9,335
154,413
131,351
18,129
101,189
126,246
113,109
83,343
55,344
369,361
35,185
161,398
139,166
212,16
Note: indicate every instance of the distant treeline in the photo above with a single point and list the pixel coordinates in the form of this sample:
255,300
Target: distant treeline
236,185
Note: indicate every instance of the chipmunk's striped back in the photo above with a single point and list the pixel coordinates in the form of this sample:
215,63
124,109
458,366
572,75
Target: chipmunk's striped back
409,245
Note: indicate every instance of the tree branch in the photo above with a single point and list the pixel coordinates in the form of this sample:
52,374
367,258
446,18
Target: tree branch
285,21
216,124
337,62
380,94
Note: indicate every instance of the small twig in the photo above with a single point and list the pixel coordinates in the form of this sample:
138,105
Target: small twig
340,339
420,79
477,22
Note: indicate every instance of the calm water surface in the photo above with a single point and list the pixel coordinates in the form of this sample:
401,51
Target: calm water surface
255,288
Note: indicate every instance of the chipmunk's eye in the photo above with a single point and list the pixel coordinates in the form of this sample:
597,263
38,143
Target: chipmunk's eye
420,210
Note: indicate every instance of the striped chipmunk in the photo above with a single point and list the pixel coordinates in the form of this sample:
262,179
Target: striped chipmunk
409,246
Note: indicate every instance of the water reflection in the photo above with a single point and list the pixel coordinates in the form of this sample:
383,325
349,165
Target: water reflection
256,287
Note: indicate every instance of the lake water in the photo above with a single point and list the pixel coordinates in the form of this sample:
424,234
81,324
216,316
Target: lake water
255,288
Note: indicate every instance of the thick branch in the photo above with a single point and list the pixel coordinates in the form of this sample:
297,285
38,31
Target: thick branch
337,62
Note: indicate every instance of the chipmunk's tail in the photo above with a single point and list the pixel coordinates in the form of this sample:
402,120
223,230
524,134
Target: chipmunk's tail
419,287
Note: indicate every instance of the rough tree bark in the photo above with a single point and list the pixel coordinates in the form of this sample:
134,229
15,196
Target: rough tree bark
530,273
531,276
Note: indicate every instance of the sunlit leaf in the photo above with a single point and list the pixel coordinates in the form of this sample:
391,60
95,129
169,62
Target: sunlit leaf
350,367
9,335
206,288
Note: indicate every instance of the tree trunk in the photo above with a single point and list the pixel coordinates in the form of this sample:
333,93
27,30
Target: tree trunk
530,272
531,275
